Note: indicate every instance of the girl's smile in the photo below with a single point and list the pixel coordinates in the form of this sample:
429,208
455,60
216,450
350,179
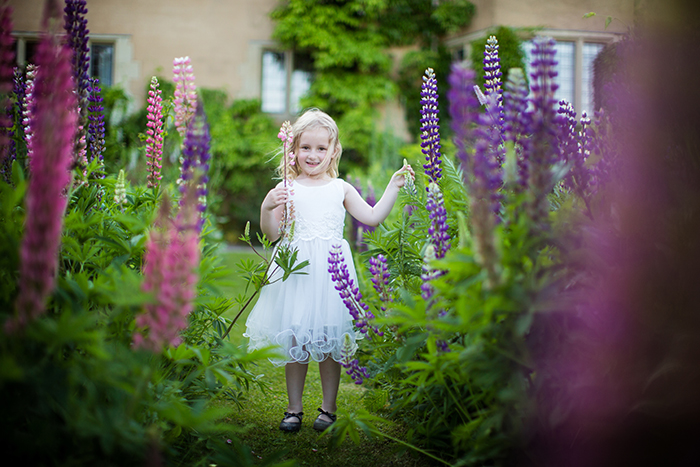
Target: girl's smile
313,151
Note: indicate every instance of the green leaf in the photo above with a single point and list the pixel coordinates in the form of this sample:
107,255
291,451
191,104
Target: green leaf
589,14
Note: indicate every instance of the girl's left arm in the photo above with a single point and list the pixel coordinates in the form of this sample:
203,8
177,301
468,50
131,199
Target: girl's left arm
373,216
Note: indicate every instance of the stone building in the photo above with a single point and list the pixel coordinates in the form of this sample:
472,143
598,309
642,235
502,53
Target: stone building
230,46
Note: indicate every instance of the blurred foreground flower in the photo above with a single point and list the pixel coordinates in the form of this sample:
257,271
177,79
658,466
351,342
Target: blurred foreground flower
185,98
54,121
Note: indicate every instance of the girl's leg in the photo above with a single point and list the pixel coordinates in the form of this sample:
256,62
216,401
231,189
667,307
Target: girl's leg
295,375
330,380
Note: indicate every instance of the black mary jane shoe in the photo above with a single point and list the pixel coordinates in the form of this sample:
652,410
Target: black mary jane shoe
291,426
321,425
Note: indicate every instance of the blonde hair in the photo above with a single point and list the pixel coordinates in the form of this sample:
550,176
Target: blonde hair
311,120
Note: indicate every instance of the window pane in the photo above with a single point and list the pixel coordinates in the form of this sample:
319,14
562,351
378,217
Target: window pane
301,80
101,63
30,49
566,56
274,82
590,52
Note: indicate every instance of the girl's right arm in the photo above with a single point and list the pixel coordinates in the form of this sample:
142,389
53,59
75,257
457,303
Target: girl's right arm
271,212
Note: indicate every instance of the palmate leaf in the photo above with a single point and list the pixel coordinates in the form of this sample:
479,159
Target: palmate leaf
286,259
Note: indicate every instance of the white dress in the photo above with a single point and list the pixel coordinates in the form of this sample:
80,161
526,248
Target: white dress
305,315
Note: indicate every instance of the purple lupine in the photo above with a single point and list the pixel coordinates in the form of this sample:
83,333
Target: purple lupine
464,109
516,121
7,56
435,205
357,373
195,157
54,122
154,141
75,25
481,171
492,77
357,228
429,273
430,126
19,92
96,125
349,292
542,148
380,277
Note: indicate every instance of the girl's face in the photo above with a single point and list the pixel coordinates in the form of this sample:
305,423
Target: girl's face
313,151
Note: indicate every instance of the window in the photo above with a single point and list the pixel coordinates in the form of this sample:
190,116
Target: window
101,62
286,78
101,56
574,71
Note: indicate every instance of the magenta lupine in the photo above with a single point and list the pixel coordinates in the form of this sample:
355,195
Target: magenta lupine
170,274
349,292
154,141
96,125
54,122
438,230
185,96
75,25
542,151
430,126
195,158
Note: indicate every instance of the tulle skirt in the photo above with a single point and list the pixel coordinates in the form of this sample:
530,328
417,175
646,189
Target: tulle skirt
304,316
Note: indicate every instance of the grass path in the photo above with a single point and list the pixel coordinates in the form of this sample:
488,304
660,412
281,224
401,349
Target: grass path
262,412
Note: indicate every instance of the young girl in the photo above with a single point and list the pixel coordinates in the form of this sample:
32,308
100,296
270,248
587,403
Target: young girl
305,315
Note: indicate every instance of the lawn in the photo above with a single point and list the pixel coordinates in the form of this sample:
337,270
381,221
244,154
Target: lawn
262,411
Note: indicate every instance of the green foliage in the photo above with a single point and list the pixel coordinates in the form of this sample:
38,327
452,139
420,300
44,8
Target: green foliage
348,43
510,52
77,390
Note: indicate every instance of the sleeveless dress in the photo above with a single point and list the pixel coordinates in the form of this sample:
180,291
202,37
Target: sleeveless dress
305,315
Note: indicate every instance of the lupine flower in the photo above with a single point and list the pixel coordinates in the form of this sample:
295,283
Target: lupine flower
96,125
7,56
358,228
516,121
120,189
492,75
567,132
429,273
349,292
77,39
154,141
480,169
185,96
543,148
357,373
27,109
464,110
54,122
286,135
380,277
19,92
435,205
195,158
430,126
170,264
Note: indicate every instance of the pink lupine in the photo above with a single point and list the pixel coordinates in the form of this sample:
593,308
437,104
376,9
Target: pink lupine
170,264
154,141
185,99
27,106
54,121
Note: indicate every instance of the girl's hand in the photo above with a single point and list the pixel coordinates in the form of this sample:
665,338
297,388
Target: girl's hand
399,178
275,197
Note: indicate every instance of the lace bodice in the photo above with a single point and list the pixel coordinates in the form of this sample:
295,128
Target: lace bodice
318,211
